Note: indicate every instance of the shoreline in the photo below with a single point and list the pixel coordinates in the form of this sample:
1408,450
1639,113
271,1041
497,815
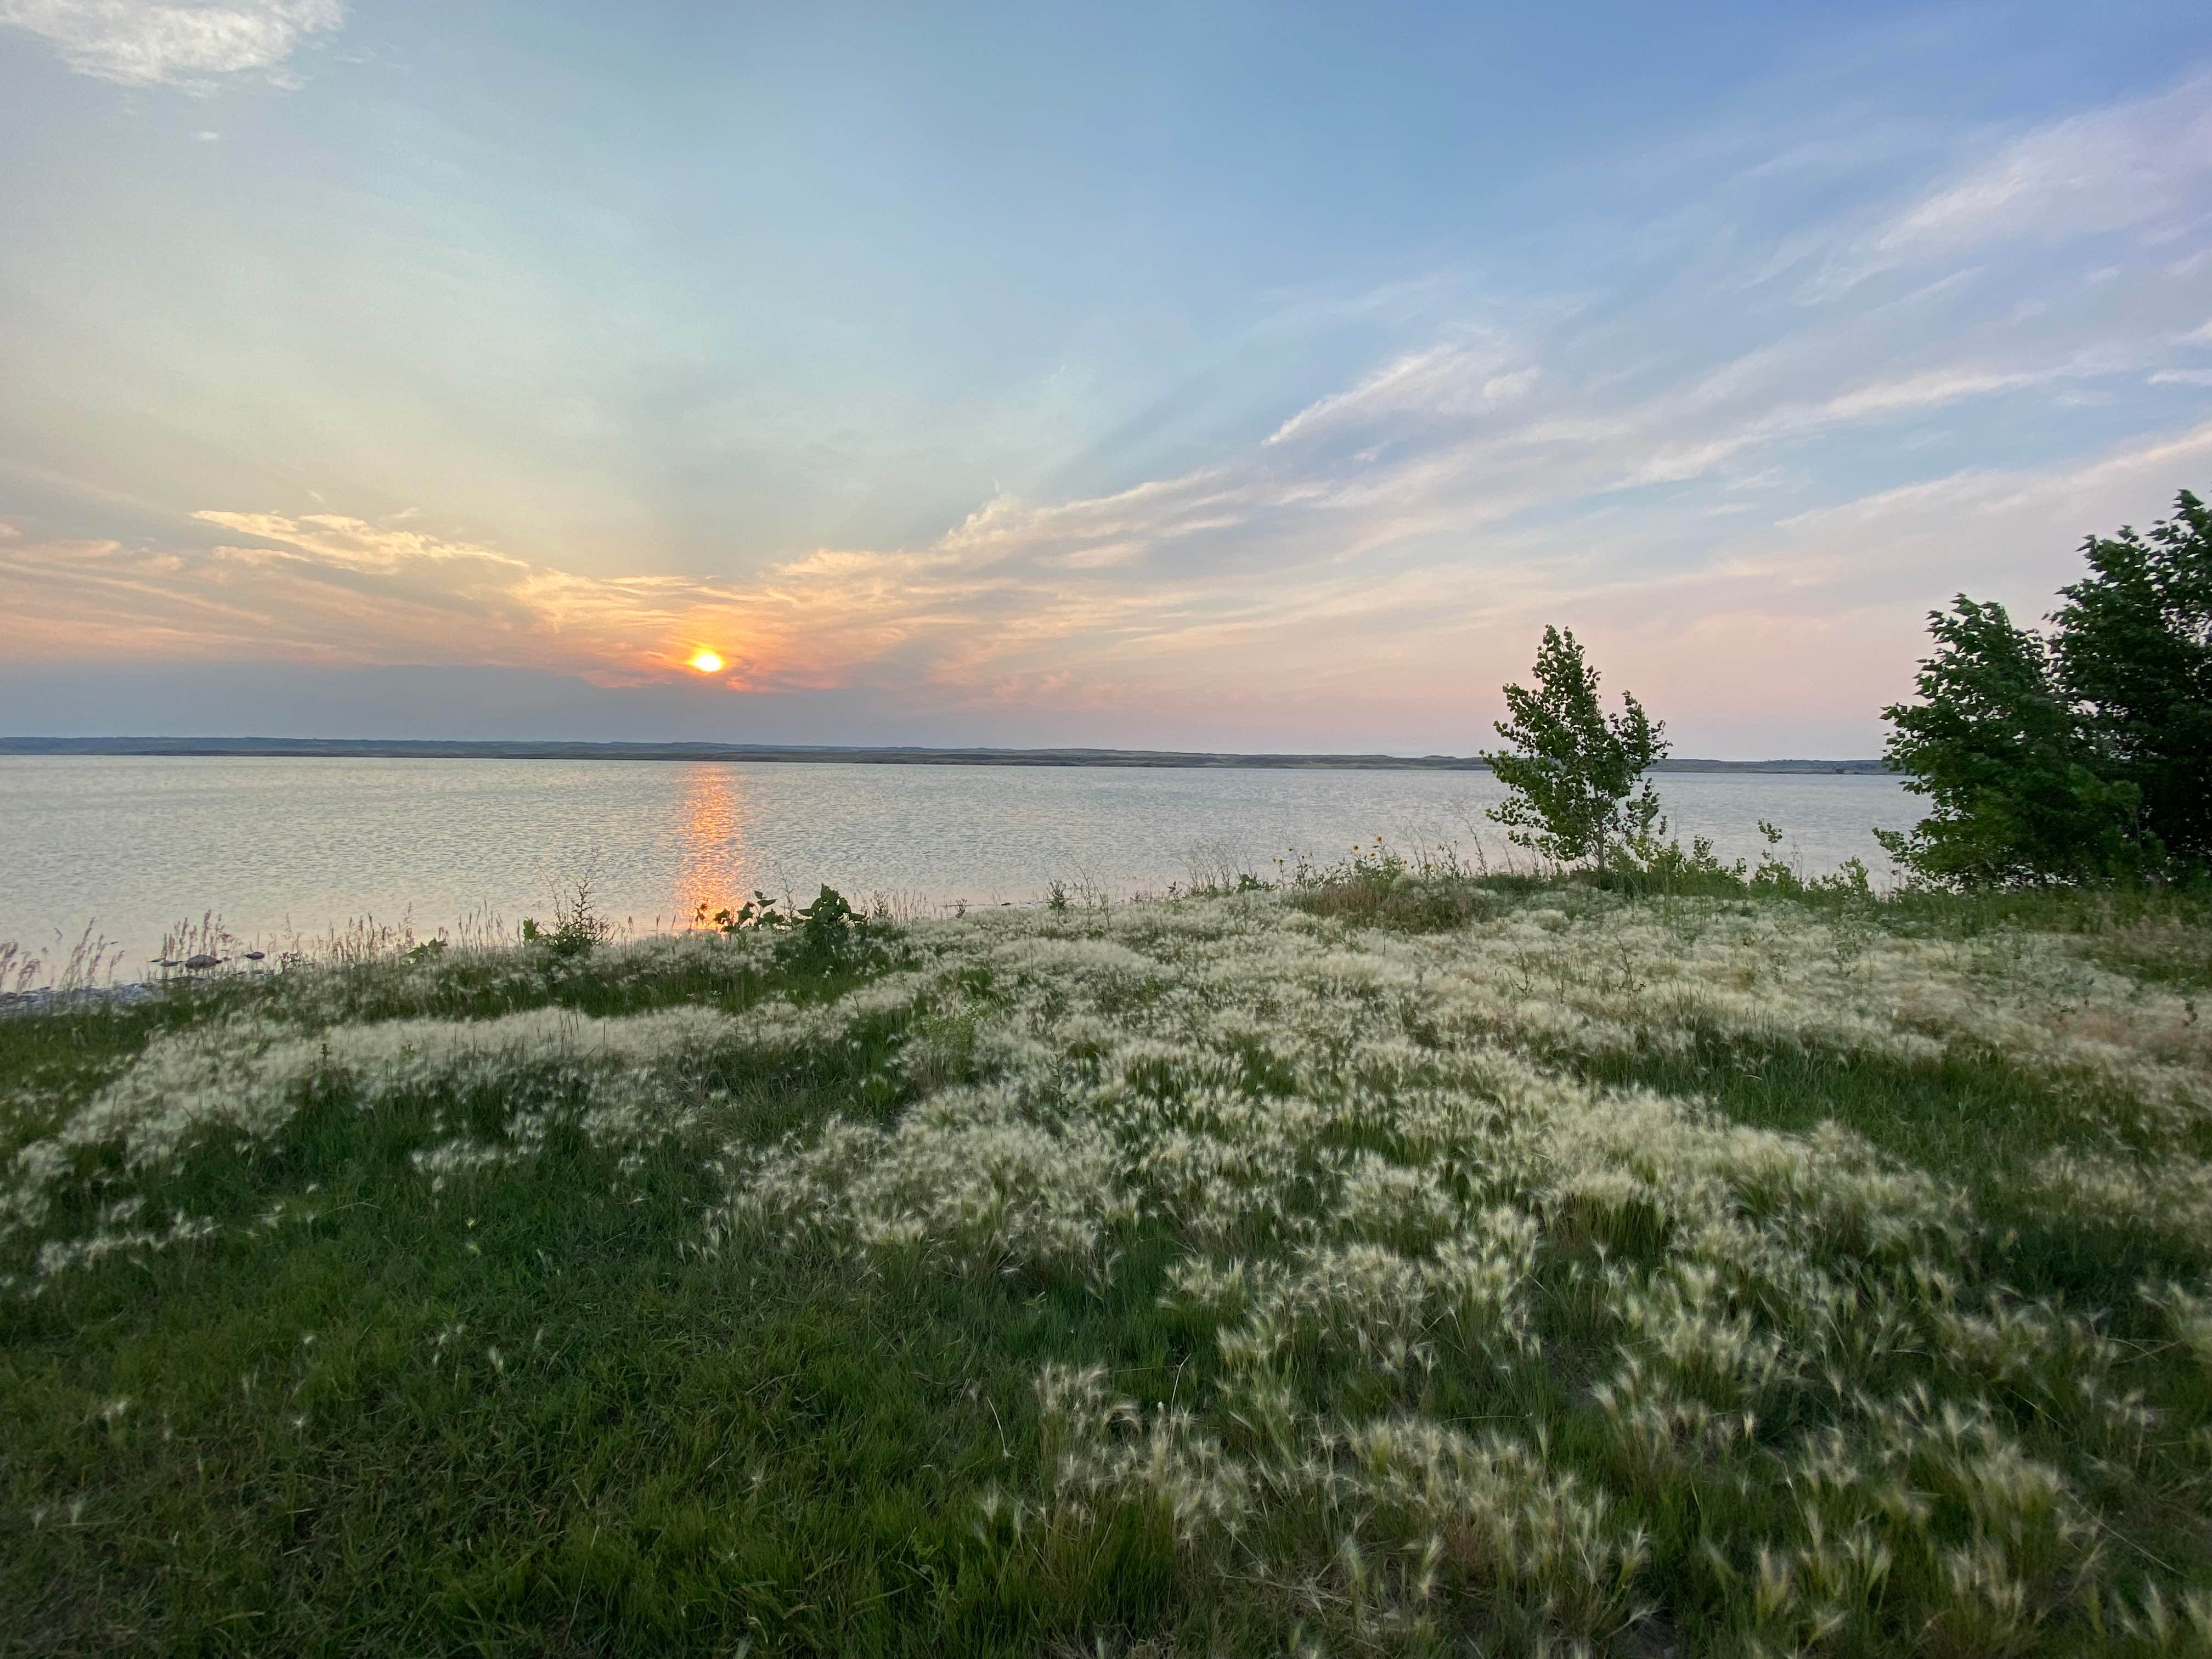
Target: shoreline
433,749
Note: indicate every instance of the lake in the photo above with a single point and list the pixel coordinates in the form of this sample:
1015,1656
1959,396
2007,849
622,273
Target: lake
280,849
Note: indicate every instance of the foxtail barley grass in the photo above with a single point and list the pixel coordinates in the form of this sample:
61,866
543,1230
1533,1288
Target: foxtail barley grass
1441,1266
87,965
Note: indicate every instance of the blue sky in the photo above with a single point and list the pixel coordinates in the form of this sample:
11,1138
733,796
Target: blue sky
1200,376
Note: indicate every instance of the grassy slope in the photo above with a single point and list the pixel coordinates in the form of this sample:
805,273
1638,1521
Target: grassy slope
520,1416
530,1425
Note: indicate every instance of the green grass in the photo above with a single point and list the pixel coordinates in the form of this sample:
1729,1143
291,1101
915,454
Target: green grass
1977,1118
527,1413
516,1419
1976,1122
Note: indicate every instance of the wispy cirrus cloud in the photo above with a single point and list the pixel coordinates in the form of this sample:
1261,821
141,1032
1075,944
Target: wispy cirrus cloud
328,587
2107,170
158,42
1437,383
1006,608
1719,485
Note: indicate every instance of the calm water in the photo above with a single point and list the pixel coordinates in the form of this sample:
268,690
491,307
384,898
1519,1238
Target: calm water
279,847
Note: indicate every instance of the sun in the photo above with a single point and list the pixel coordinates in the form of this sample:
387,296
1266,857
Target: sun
706,661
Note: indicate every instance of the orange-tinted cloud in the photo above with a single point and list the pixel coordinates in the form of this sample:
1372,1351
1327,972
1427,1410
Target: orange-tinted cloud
1139,602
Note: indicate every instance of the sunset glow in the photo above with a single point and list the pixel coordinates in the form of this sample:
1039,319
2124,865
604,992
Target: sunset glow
1737,350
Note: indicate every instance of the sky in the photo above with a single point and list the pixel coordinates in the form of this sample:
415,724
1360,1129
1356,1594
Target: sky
1259,377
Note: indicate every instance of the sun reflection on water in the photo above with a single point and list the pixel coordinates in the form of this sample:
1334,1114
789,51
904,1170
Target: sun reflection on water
718,861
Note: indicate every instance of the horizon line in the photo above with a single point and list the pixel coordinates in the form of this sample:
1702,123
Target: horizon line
249,747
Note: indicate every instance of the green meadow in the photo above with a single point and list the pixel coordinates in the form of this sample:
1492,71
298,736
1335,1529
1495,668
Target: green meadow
1386,1262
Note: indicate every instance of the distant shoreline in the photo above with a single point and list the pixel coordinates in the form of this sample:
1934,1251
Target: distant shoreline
407,749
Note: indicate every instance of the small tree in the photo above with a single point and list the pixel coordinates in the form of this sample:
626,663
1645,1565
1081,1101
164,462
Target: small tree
1994,744
1573,771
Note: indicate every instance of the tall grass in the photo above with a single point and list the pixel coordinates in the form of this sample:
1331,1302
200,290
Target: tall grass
89,964
1396,1256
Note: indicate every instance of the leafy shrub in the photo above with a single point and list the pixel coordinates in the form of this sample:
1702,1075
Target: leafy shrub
829,933
1644,863
1647,860
578,927
760,912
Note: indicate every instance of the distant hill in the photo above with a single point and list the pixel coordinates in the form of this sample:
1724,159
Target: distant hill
414,749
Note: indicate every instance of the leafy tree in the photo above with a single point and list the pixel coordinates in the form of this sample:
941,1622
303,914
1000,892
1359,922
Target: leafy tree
2019,793
2133,651
2085,757
1573,770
